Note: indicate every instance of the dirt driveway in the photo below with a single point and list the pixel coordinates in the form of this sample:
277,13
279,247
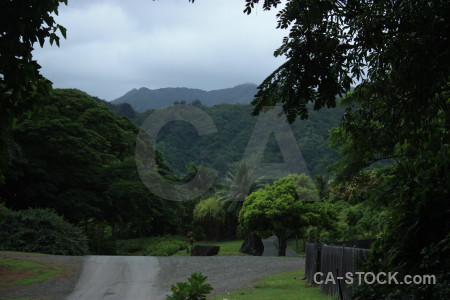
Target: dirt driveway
128,277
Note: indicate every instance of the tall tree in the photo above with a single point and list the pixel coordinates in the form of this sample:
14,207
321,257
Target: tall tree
22,87
288,204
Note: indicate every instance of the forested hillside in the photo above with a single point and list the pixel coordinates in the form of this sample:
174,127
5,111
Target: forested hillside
144,98
77,158
181,144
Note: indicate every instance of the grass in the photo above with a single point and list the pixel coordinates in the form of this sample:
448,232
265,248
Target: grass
24,272
227,248
282,286
292,244
139,246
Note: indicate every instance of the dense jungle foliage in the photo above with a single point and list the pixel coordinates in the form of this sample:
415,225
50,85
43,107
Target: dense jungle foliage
180,143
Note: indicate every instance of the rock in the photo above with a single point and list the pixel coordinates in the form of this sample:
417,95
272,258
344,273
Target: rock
252,245
200,250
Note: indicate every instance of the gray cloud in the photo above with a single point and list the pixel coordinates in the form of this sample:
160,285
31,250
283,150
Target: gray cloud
113,46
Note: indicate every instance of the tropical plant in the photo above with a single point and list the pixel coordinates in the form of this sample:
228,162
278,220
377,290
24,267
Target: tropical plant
194,289
239,187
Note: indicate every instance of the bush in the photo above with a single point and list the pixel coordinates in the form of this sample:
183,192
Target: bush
132,246
210,214
100,239
165,248
194,289
39,230
152,246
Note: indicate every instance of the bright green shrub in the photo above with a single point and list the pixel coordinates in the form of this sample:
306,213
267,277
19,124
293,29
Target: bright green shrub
194,289
39,230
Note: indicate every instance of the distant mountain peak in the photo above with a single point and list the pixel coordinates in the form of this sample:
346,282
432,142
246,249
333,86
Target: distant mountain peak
144,98
247,84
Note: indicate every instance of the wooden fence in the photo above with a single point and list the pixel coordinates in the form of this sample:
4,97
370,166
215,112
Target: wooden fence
337,260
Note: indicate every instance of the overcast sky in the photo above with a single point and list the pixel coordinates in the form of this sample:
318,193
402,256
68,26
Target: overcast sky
113,46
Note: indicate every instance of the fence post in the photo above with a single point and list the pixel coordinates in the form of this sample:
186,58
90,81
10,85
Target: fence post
341,296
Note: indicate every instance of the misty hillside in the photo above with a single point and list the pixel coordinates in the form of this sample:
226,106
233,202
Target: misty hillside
144,98
180,143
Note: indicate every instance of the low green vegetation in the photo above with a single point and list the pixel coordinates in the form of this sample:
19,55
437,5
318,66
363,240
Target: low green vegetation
23,272
165,248
282,286
227,248
210,214
39,230
152,246
195,289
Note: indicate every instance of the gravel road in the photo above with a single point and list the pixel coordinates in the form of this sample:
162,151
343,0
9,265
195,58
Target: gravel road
132,277
53,289
117,278
225,273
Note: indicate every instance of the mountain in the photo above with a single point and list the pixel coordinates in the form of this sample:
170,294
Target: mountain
144,98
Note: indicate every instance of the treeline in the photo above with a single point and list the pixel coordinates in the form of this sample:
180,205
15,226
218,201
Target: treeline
76,158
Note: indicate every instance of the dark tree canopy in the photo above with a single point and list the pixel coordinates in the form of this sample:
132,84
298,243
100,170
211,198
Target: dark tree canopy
22,87
333,44
22,24
396,54
78,159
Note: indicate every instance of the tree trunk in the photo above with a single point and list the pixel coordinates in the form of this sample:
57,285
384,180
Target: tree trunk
281,243
85,226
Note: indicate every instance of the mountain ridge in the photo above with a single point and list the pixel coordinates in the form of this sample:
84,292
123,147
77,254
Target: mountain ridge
144,98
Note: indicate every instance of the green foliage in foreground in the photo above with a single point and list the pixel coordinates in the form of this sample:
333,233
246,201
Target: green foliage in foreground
282,286
194,289
23,88
39,230
39,272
